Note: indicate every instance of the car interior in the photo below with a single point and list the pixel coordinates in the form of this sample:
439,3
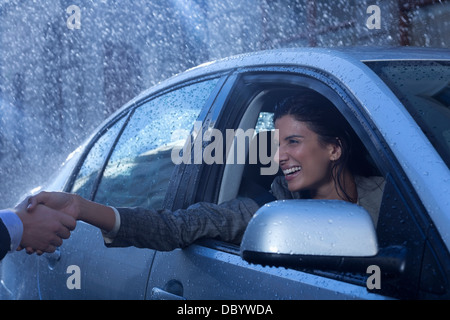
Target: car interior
248,176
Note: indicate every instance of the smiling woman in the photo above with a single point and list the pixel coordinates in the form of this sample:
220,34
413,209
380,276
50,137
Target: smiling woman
319,152
320,155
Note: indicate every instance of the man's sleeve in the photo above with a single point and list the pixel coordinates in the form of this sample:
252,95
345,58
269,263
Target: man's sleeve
5,240
11,230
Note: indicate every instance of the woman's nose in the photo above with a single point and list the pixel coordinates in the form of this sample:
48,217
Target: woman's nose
280,155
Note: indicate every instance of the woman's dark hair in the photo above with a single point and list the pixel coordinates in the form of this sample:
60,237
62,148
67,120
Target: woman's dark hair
328,123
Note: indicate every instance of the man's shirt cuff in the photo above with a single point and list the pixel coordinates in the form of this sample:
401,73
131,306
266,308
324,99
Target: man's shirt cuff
15,227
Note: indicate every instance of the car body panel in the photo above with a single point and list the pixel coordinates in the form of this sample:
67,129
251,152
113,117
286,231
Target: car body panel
208,274
104,273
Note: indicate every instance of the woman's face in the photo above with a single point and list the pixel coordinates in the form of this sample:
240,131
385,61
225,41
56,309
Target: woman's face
304,160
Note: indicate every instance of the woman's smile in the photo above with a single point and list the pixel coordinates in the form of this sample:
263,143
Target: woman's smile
291,173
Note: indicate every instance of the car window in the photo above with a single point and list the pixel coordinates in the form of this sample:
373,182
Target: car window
265,122
93,162
140,167
424,88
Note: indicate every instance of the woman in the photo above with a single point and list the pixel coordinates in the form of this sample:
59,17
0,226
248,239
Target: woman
319,154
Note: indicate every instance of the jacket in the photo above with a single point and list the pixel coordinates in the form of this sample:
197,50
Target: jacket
164,230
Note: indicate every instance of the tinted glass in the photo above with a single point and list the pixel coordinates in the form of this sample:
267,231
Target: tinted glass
140,167
424,88
94,161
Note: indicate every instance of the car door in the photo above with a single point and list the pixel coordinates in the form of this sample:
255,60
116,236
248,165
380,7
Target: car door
128,164
212,269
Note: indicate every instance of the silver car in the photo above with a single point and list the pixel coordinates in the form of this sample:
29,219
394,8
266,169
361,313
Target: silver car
397,100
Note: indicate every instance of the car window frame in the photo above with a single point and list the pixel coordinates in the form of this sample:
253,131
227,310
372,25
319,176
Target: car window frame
184,194
116,119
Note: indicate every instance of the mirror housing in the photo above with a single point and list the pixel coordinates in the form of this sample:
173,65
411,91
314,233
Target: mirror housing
329,235
311,227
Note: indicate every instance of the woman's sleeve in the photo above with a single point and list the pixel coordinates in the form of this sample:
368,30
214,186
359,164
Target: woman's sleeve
164,230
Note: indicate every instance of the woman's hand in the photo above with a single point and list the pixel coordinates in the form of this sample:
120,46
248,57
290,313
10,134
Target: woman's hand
96,214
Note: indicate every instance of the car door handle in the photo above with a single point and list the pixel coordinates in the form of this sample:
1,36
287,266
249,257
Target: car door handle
53,258
160,294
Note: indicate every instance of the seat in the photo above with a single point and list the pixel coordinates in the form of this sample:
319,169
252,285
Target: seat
255,184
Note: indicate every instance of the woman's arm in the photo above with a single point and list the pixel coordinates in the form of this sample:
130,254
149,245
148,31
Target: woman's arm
93,213
164,230
161,230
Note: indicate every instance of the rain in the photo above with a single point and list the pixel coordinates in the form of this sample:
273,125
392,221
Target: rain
66,65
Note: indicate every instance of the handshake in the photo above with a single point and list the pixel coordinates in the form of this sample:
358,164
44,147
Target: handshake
47,219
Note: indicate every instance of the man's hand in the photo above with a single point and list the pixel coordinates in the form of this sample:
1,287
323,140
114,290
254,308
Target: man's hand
96,214
44,228
61,201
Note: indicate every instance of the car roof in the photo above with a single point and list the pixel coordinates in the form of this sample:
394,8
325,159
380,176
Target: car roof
394,53
299,56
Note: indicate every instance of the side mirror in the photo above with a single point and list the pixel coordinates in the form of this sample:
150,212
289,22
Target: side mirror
327,235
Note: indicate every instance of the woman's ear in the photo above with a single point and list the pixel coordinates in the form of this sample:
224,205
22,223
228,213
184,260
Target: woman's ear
335,150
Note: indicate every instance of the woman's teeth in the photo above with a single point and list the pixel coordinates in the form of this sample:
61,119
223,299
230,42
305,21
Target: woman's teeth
291,170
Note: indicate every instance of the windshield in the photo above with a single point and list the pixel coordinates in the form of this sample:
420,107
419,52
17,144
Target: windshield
424,88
